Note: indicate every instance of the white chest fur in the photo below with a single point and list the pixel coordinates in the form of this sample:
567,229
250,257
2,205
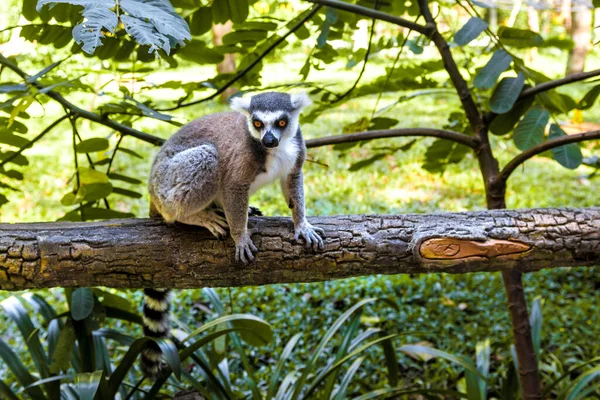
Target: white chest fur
279,163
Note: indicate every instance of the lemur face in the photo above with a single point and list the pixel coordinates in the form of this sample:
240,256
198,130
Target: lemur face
272,116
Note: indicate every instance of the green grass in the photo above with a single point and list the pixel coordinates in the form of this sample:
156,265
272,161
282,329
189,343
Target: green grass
454,311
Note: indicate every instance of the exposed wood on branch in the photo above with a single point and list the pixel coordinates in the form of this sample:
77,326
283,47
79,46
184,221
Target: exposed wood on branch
147,253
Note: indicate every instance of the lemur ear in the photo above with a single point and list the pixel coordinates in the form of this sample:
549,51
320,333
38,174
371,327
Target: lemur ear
241,104
300,100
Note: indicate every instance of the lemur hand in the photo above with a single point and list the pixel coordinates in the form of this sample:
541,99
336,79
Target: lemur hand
245,249
310,234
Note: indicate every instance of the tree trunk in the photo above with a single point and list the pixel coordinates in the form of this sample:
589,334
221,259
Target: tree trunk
581,33
227,66
148,253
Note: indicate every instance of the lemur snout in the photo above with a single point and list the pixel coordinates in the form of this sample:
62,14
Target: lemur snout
269,140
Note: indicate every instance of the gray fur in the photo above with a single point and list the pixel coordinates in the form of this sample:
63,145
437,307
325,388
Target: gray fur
220,158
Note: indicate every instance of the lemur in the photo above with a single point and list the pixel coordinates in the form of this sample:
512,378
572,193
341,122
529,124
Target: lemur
213,165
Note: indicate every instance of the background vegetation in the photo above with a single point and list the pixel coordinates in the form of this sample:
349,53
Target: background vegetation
451,313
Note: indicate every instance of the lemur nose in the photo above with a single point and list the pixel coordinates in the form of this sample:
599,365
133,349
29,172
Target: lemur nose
269,140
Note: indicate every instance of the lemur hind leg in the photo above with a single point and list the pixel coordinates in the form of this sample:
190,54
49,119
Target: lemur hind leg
185,185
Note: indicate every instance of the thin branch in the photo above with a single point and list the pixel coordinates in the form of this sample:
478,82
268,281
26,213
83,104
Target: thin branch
32,141
124,129
457,137
548,145
243,72
364,66
369,12
543,87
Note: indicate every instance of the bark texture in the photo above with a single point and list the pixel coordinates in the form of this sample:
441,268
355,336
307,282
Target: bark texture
147,253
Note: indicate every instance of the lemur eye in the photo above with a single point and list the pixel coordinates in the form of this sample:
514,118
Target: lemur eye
257,124
282,123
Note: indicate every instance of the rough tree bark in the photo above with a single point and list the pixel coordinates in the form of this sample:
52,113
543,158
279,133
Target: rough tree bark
148,253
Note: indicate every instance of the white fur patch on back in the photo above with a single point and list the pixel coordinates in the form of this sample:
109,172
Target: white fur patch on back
279,163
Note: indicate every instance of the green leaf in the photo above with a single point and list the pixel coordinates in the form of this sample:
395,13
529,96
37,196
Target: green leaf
201,21
589,99
418,351
530,131
93,213
89,33
198,52
504,123
6,392
285,355
92,192
535,318
12,140
443,152
87,384
15,365
244,35
130,152
520,38
486,78
382,123
220,11
238,10
124,178
126,193
82,303
348,378
12,126
507,93
18,160
28,10
14,309
88,176
576,391
365,163
64,348
112,300
568,155
92,145
470,31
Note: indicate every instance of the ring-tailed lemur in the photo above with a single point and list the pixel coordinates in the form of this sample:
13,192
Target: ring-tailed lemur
215,163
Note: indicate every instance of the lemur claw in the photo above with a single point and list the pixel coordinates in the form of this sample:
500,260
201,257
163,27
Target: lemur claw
311,235
245,249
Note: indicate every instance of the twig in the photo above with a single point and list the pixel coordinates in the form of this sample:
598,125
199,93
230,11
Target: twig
548,145
543,87
243,72
125,130
457,137
369,12
112,157
364,66
32,141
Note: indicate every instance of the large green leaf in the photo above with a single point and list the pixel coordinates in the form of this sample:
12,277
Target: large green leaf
92,145
568,155
486,78
576,391
443,152
589,99
238,10
198,52
201,21
15,365
530,131
470,31
504,123
87,384
82,303
506,94
12,139
519,37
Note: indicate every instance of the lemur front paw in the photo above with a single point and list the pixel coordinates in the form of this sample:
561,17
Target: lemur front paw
311,235
245,249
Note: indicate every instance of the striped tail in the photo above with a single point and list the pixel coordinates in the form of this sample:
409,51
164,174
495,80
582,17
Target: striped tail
156,324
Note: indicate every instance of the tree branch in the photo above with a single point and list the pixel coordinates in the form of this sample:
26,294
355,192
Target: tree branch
149,253
369,12
461,138
243,72
543,87
548,145
79,112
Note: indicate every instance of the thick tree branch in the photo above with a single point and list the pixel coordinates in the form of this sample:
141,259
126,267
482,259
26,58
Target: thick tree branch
79,112
543,87
548,145
369,12
149,253
258,59
461,138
